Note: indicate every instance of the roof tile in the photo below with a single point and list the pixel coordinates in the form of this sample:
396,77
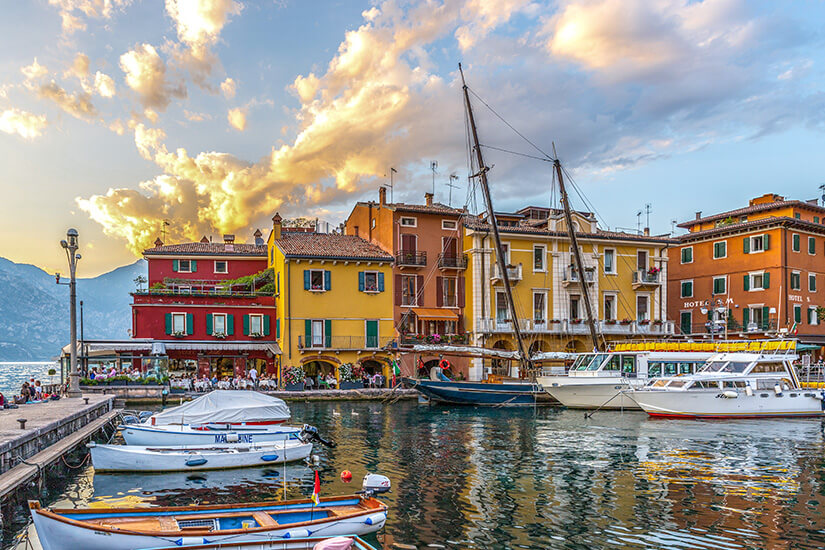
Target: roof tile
330,245
207,249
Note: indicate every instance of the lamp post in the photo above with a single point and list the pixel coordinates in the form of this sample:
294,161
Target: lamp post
70,246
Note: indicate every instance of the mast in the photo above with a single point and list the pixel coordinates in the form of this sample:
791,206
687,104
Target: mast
502,266
565,202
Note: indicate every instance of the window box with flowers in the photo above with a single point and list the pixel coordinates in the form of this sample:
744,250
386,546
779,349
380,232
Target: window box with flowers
653,271
294,378
179,334
555,321
657,322
576,321
220,335
255,335
625,321
433,338
610,322
644,322
349,377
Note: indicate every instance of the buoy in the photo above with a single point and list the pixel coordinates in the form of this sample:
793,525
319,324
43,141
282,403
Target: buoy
346,476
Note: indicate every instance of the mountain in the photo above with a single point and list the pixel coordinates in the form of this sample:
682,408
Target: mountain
34,311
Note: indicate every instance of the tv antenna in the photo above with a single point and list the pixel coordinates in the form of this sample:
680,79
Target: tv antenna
822,188
647,213
392,183
672,227
639,222
450,184
433,166
163,229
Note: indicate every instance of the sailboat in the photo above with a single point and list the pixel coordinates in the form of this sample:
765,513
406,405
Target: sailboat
507,392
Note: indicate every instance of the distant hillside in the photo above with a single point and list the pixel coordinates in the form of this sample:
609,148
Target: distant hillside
34,311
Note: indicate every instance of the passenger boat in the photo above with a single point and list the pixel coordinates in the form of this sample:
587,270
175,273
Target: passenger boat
601,380
742,384
312,543
477,393
226,409
132,458
138,528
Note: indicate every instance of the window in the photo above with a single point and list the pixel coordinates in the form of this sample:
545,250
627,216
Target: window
448,224
811,282
687,289
796,280
505,247
371,334
539,255
720,285
221,267
408,297
757,281
540,307
720,249
816,219
316,279
408,222
179,323
797,216
370,281
812,317
811,246
687,255
219,323
256,324
757,243
609,260
797,314
502,312
795,242
448,289
317,337
185,266
686,322
409,243
609,307
574,307
642,308
641,260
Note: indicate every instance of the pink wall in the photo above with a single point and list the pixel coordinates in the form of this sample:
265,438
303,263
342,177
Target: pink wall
160,268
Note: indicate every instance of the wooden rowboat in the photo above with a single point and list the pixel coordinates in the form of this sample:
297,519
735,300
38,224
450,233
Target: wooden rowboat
138,528
312,543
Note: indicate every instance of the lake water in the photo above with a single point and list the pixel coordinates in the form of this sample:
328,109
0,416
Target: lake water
12,375
484,478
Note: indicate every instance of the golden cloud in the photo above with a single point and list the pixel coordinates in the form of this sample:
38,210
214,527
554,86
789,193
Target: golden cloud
78,105
104,85
22,123
70,11
237,119
146,74
228,88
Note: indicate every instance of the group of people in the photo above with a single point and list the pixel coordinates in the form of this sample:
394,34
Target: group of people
252,381
102,373
320,381
30,392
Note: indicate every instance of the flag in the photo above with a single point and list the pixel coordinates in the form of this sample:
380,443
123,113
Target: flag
794,329
316,490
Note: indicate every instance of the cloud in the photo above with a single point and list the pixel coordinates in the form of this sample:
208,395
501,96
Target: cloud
35,71
80,66
237,119
196,117
22,123
78,105
228,88
146,74
71,11
483,16
104,85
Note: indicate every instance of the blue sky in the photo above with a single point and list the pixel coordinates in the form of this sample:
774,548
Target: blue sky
216,113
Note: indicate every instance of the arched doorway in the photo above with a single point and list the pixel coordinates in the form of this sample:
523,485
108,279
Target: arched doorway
501,367
322,374
371,368
536,346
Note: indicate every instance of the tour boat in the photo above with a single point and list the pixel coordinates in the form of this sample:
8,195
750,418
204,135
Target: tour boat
600,380
136,528
132,458
733,385
225,409
311,543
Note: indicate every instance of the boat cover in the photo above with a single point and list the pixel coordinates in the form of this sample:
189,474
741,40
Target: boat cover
337,543
222,406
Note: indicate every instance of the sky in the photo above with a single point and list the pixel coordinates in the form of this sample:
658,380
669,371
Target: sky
116,115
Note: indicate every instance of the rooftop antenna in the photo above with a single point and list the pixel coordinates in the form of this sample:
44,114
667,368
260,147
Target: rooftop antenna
392,183
822,188
639,222
163,229
433,166
672,227
647,218
450,184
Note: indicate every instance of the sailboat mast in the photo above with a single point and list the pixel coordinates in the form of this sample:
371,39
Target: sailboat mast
565,202
502,264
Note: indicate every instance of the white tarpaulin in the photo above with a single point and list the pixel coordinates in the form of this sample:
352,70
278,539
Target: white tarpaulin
223,406
553,356
469,350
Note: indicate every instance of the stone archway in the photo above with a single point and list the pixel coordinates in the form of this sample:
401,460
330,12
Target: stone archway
323,373
501,367
575,346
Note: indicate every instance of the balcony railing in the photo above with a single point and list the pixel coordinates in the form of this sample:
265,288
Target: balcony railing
345,342
575,326
646,277
718,328
446,339
198,292
513,272
452,261
571,275
411,258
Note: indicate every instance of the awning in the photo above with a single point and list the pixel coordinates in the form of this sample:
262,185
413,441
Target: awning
192,345
434,314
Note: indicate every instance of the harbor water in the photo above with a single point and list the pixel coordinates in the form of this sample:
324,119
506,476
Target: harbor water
12,375
534,479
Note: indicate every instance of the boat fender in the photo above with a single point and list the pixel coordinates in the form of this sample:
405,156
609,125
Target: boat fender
777,389
297,534
232,438
190,541
749,391
91,444
730,394
375,519
269,458
196,461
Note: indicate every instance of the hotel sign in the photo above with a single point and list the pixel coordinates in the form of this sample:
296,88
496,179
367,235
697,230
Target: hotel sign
705,303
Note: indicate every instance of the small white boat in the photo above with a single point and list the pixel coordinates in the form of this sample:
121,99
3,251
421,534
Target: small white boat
175,435
226,408
601,380
734,385
132,458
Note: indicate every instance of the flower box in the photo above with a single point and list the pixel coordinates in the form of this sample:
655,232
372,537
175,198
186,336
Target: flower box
611,322
350,385
294,387
576,321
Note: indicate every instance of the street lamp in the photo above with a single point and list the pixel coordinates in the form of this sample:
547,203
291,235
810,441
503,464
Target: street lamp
70,246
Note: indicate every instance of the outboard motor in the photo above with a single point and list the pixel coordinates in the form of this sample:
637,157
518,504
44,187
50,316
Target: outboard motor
309,434
376,484
130,419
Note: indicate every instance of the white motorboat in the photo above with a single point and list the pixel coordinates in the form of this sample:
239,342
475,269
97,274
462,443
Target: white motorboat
733,385
175,435
226,409
131,458
600,380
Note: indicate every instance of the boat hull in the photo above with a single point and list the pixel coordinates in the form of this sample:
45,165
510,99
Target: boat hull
608,394
706,404
477,393
132,458
170,436
294,544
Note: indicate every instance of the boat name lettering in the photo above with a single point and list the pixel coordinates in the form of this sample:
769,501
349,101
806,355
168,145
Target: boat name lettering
242,438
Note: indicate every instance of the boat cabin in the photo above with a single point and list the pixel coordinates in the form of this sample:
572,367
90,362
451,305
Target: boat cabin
637,364
732,371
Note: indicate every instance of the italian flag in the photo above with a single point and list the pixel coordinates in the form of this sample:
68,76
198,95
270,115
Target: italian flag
316,490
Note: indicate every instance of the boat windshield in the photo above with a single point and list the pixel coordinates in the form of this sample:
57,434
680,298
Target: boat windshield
714,366
726,366
597,361
582,361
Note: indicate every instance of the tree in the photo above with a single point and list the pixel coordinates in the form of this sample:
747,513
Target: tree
140,280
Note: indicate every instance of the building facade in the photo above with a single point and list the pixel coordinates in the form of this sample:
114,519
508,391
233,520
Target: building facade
624,276
756,271
333,296
428,276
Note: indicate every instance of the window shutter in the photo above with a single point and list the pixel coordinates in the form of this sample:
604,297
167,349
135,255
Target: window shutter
174,265
747,282
796,243
168,323
460,292
766,312
307,333
360,281
746,245
190,323
246,325
746,317
327,280
266,325
327,333
230,324
766,280
193,266
797,314
419,286
439,291
380,282
811,245
398,290
209,324
766,241
690,289
306,279
277,327
278,283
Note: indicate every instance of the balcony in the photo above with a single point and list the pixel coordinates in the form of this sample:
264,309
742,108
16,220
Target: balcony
346,343
576,327
452,261
571,275
718,329
411,258
513,272
646,278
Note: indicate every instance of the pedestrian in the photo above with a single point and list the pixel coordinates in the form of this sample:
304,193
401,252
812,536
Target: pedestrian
253,374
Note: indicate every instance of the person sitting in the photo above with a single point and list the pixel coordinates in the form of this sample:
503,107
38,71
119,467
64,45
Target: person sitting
25,392
38,390
331,381
308,383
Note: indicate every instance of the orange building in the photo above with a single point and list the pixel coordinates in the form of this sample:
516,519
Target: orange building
755,271
428,275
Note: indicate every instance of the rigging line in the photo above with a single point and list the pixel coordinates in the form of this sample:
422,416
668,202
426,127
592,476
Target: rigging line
522,136
515,153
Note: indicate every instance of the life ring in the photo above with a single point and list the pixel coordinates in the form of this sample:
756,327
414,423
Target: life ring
444,364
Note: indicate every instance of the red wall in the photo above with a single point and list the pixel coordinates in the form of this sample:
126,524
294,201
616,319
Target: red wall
159,268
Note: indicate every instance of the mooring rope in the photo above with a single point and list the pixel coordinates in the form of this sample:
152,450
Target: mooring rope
82,462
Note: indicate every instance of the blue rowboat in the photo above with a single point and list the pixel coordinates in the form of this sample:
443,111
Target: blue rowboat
510,394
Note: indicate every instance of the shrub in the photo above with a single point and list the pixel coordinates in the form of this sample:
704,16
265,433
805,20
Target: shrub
294,375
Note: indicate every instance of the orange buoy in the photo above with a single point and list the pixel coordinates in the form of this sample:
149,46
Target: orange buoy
346,476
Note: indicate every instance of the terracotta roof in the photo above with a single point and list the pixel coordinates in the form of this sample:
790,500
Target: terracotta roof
207,249
330,245
599,234
436,208
752,210
753,224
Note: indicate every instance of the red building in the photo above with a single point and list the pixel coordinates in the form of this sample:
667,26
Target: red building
209,308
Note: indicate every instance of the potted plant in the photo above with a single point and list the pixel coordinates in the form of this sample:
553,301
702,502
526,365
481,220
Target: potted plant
644,322
179,334
610,321
576,321
150,381
555,321
347,375
625,321
220,335
293,378
255,335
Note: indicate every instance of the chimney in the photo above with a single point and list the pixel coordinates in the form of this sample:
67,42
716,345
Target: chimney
158,242
382,196
428,199
204,239
229,243
259,241
647,232
699,215
276,227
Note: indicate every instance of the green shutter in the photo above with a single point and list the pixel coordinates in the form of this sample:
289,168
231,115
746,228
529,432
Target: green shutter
380,282
174,265
190,323
811,283
361,281
306,279
307,333
230,324
766,312
246,325
266,325
372,334
746,318
766,241
277,327
327,280
796,243
193,266
746,245
797,314
168,323
209,324
811,245
327,332
766,280
685,322
747,282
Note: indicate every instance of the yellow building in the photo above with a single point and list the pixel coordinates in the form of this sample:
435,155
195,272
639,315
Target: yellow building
625,276
333,300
